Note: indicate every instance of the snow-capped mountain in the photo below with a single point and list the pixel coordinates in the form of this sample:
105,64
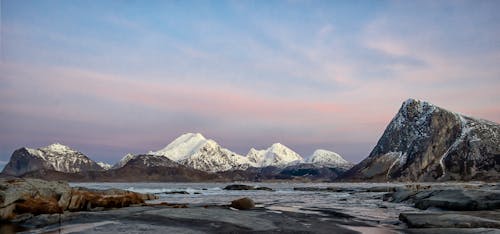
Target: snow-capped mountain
277,155
327,158
55,157
424,142
104,165
194,150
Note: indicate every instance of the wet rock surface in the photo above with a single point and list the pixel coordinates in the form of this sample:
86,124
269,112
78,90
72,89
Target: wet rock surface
198,219
448,199
446,220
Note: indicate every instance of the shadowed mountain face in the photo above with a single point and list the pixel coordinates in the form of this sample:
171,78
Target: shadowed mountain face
424,142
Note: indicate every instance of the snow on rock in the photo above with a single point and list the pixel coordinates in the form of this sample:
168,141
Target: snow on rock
424,142
104,165
277,155
194,150
323,157
56,157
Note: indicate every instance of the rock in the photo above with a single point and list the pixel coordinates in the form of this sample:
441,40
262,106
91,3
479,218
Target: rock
264,188
452,231
83,199
381,189
460,200
446,220
19,197
239,187
176,192
243,203
246,187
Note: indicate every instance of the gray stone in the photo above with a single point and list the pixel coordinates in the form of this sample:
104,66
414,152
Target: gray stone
446,220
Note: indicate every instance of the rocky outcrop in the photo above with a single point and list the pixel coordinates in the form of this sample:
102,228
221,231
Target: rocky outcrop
448,199
446,220
22,198
54,157
424,142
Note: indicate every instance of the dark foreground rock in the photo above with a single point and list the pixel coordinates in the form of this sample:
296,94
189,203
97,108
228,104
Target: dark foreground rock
196,219
449,199
446,220
245,187
243,204
21,199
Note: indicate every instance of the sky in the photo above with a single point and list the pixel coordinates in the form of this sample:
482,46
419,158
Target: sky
114,77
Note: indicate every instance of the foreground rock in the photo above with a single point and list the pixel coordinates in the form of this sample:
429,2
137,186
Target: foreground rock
246,187
195,219
446,220
243,204
449,199
22,198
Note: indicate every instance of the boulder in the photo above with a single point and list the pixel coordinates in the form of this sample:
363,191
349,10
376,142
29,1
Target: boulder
446,220
243,203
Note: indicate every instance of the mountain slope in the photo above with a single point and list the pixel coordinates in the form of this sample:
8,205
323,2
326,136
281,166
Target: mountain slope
276,155
55,157
424,142
195,151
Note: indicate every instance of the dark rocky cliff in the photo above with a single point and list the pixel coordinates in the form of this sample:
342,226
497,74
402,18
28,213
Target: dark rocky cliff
424,142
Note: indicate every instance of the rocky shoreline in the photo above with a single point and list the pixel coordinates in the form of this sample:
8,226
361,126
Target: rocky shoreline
33,206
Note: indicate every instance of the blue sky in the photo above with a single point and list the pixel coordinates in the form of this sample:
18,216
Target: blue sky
112,77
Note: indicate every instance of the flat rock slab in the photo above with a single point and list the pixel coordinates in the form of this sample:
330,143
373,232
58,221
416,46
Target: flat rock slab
247,219
446,220
452,231
157,219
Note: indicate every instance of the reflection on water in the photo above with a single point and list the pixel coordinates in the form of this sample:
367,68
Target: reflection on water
365,205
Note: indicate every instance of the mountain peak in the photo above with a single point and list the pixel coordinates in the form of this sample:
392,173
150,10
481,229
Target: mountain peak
182,147
276,155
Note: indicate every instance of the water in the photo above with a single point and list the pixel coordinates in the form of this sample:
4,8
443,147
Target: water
363,205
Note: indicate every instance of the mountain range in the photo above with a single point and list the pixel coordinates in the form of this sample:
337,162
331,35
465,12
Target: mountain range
190,152
423,142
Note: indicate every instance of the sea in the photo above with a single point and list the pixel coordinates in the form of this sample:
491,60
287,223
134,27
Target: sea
363,205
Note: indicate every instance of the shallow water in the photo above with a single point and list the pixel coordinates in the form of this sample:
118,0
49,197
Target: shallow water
364,205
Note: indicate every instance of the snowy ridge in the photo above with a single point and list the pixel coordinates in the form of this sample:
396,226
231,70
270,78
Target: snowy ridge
277,155
323,157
